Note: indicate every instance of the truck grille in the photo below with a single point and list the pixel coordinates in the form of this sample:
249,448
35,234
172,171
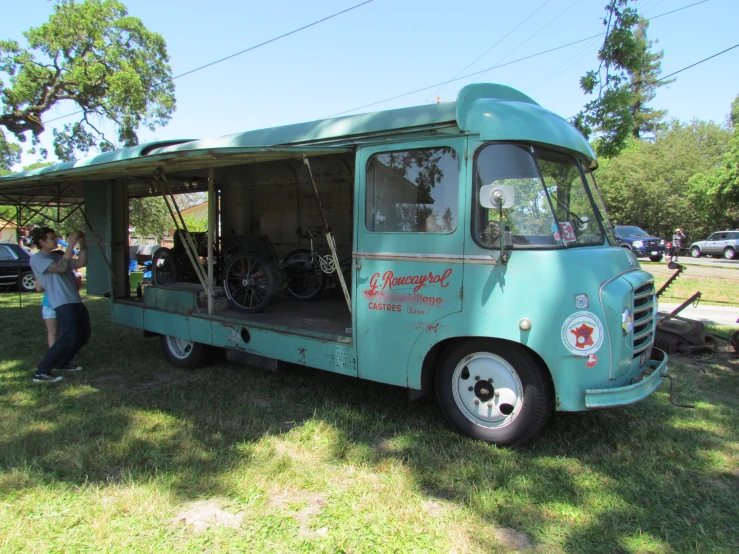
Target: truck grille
644,301
652,243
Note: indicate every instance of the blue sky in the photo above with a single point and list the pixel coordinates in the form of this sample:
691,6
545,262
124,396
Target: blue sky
390,47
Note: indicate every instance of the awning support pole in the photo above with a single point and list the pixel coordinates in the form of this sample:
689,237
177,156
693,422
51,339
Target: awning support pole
187,242
212,205
329,237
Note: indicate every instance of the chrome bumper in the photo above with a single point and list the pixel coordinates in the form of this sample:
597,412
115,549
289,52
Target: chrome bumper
651,379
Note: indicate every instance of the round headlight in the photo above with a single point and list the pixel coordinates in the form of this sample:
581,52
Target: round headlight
627,322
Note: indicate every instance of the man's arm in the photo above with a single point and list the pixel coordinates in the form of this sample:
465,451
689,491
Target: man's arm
62,264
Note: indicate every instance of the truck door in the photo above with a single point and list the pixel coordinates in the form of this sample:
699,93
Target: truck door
408,258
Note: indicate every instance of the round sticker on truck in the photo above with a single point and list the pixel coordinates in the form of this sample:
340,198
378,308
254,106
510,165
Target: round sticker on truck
582,333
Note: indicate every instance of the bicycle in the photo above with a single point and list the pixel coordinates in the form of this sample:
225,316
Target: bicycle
306,270
249,279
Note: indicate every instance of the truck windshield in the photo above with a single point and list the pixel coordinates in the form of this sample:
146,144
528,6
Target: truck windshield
552,207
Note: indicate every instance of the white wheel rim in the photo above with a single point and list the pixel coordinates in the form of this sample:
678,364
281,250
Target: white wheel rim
179,348
29,282
496,398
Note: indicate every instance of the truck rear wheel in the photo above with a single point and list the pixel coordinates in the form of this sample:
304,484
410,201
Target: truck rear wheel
181,352
493,392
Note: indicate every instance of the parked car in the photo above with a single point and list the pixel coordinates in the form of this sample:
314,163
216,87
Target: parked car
640,242
720,243
15,267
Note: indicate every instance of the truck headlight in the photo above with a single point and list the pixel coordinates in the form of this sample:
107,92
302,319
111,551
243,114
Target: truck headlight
662,242
627,322
638,244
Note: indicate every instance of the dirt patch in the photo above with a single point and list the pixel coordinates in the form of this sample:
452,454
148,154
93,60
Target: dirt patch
514,540
301,505
204,514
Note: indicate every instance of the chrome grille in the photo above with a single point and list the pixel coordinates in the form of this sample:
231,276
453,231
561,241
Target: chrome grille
652,243
644,300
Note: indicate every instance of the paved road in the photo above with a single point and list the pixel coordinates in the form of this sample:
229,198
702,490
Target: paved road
717,315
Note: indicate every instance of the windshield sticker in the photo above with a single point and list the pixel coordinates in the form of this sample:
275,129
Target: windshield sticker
567,232
582,333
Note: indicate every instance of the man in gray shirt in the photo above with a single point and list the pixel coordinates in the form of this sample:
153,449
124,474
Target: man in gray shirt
56,274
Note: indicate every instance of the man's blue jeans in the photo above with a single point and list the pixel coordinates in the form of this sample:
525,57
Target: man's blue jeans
74,332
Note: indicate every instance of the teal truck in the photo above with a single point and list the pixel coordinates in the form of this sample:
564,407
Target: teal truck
469,249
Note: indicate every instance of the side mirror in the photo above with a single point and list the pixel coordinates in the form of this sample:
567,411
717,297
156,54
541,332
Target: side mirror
582,222
497,196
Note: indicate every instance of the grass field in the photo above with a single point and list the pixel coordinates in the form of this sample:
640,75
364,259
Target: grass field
715,291
133,455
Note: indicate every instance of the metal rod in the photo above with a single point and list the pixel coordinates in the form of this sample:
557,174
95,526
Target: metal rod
187,241
211,235
329,237
680,308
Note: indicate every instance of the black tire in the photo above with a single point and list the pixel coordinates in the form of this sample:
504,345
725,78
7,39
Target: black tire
305,279
164,267
514,413
182,353
249,281
729,253
27,282
695,252
656,258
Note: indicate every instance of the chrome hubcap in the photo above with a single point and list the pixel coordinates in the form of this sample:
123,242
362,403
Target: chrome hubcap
487,390
179,348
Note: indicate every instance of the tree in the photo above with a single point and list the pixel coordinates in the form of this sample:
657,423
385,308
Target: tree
649,184
101,60
716,190
625,81
644,83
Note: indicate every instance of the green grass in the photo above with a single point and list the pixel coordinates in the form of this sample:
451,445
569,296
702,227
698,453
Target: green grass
111,459
714,291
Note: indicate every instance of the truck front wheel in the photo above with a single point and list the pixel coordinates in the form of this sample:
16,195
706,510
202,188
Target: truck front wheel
493,392
181,352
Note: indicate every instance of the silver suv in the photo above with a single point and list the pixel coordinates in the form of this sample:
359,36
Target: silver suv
720,243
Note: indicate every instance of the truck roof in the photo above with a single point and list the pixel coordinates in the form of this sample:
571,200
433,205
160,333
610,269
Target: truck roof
500,113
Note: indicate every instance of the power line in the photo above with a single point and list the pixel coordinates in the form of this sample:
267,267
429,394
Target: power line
469,74
499,66
245,50
698,63
557,74
465,68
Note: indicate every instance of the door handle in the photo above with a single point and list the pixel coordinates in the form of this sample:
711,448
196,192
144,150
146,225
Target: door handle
358,265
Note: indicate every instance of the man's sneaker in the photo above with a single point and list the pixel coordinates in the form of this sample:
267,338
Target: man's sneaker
70,367
46,378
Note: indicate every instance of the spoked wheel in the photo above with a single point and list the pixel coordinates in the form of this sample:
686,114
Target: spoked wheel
182,352
729,253
163,267
249,282
493,392
305,279
695,252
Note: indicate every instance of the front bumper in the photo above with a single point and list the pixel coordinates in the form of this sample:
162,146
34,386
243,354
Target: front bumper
650,380
646,252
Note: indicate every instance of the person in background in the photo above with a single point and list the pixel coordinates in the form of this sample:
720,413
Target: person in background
678,241
56,274
48,315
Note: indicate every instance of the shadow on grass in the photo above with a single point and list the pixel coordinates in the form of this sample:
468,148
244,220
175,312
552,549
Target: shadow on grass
602,478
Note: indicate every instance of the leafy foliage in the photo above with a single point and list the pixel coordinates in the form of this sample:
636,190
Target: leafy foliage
625,81
650,184
716,190
95,55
